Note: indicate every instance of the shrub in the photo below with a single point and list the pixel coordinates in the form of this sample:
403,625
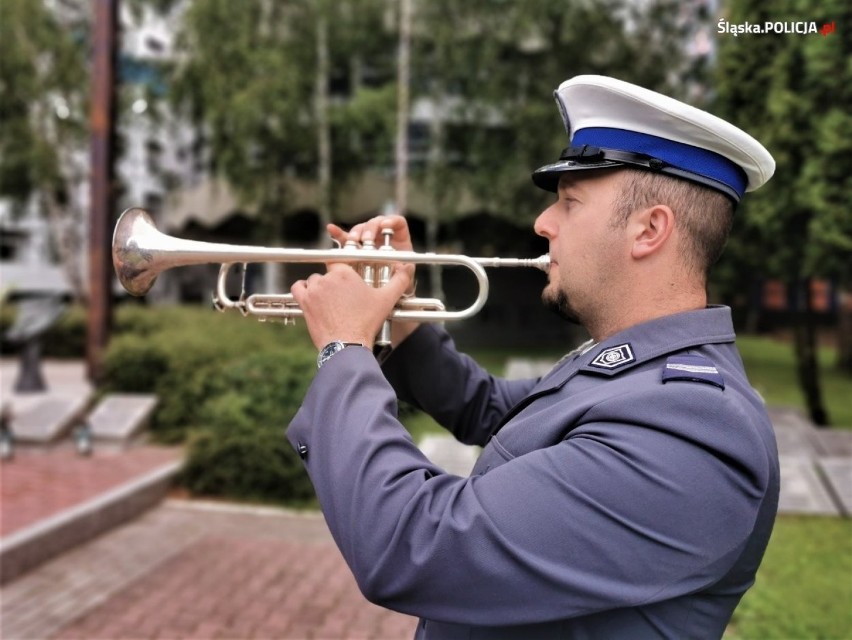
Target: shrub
247,464
241,451
227,387
135,364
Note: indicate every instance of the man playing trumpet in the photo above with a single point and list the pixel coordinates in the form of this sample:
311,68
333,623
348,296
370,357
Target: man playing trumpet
628,493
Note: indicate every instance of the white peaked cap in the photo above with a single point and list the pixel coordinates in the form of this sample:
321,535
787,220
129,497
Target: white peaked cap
613,123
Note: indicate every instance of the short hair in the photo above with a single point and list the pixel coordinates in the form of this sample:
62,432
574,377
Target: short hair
705,216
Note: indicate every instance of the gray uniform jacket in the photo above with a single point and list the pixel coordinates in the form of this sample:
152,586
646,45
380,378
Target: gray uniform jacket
629,493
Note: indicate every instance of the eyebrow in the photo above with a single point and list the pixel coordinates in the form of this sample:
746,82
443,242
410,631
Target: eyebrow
566,182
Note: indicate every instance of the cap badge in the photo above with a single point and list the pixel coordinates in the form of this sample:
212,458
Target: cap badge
614,357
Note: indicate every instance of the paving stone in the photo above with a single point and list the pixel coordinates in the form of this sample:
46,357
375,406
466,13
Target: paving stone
450,454
120,416
47,418
522,368
193,571
833,442
802,489
838,473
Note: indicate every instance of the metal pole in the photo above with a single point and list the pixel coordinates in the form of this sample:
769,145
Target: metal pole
403,81
102,188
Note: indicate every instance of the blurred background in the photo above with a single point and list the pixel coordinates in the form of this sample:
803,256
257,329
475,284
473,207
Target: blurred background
257,122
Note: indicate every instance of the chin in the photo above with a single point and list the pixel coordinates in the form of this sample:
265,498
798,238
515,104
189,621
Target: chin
557,301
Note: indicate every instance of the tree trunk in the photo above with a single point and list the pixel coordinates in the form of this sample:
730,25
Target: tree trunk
844,332
323,128
807,364
403,72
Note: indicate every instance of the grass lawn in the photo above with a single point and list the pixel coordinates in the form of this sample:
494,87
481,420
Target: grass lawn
804,586
772,371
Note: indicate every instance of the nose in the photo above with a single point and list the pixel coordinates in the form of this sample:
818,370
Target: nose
544,224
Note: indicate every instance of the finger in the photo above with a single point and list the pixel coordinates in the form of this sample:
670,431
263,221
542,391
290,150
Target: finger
339,267
337,234
399,225
398,284
297,290
313,279
372,229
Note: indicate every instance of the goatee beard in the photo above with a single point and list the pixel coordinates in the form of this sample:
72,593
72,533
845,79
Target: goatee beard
558,303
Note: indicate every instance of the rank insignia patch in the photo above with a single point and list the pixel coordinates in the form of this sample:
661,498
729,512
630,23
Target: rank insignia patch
692,368
614,357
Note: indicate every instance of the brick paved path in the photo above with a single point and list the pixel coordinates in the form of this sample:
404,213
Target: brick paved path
190,570
38,484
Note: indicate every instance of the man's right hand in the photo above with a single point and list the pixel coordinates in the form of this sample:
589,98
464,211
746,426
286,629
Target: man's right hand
371,230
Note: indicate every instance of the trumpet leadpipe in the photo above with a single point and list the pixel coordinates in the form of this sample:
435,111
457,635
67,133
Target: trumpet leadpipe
542,262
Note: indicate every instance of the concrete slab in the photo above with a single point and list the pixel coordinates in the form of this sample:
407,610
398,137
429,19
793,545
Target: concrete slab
46,417
802,489
837,472
794,441
121,416
450,454
522,368
833,442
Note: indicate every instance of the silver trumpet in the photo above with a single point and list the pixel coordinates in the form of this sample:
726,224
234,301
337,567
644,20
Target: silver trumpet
140,253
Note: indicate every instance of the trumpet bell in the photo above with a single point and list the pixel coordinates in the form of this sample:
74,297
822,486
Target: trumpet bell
134,264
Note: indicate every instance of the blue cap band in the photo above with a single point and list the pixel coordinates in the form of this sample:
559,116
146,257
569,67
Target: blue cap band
681,156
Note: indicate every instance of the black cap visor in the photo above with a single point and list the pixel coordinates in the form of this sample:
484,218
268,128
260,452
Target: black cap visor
587,157
547,177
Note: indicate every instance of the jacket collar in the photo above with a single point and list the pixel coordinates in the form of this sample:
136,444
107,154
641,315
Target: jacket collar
646,341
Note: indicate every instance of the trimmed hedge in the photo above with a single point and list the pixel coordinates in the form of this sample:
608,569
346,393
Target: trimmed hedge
227,388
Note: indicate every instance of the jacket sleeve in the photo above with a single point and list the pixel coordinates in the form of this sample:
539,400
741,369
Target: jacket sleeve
428,372
581,526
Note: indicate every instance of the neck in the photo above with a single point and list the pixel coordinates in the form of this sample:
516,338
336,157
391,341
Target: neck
643,303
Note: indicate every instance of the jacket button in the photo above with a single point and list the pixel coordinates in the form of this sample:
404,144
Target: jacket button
302,448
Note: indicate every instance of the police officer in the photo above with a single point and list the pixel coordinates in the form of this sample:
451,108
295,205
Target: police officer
628,493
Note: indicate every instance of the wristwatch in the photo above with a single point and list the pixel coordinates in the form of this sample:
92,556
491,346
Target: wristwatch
331,348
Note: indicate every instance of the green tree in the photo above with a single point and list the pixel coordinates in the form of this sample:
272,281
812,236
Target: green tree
43,102
792,92
488,66
498,60
255,77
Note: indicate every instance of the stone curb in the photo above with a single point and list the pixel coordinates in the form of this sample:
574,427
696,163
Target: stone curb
33,545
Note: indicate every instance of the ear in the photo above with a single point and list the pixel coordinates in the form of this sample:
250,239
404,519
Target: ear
652,228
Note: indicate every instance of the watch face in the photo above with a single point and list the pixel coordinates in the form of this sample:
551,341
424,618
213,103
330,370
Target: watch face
333,347
327,351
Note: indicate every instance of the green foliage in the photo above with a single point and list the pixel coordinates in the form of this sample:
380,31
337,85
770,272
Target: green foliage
135,364
241,452
792,91
249,79
487,67
257,465
803,588
42,97
500,60
771,369
227,388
